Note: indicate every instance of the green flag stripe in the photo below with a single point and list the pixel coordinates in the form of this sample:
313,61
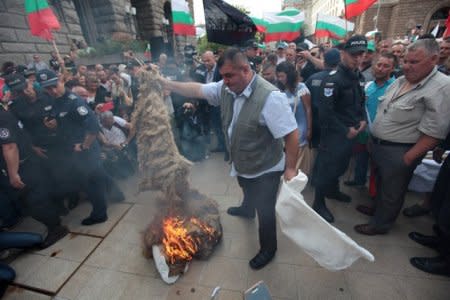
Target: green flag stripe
290,13
182,17
348,2
284,27
32,6
331,27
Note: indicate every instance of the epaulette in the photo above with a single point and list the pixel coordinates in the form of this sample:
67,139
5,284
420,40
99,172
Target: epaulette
72,97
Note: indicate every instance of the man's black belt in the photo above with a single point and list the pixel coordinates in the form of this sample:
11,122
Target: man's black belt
388,143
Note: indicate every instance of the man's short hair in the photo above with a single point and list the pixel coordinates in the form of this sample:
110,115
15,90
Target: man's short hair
233,55
388,55
105,115
430,46
267,66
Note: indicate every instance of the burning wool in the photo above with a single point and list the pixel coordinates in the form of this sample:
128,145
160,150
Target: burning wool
190,225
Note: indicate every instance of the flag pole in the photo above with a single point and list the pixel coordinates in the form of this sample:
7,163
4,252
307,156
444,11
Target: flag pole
378,12
345,18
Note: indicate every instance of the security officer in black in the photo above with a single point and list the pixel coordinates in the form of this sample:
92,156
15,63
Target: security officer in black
77,127
21,178
342,116
34,110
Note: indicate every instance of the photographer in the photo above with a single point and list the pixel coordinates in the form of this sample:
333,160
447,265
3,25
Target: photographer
192,133
306,63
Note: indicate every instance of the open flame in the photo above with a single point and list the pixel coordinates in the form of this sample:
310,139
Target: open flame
182,237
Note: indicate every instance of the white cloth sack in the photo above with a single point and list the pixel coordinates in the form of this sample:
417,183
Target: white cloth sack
330,247
425,175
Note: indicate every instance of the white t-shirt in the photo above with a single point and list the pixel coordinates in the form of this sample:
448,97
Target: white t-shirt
276,115
115,135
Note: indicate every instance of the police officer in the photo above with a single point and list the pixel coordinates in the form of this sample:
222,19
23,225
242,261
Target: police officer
21,178
342,117
77,127
34,110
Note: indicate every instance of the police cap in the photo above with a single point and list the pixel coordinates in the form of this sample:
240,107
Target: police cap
355,44
16,82
47,78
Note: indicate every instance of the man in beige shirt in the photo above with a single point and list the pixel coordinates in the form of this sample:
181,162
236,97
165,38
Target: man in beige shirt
412,118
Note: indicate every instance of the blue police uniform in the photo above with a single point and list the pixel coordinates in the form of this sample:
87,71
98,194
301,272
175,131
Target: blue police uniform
75,120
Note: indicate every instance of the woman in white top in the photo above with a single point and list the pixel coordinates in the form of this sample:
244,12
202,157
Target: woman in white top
300,100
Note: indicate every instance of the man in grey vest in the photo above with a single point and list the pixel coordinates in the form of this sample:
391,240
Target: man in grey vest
255,117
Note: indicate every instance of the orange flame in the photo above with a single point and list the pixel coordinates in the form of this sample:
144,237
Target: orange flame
178,243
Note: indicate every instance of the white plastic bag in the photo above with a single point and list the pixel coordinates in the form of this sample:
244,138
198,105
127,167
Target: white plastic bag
330,247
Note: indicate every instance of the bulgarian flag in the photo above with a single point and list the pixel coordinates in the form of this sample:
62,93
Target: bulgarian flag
354,8
41,18
332,27
261,24
183,24
284,25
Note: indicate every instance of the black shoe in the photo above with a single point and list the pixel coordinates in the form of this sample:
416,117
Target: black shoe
415,211
91,220
54,235
239,211
261,259
429,241
366,210
354,183
434,265
323,211
340,196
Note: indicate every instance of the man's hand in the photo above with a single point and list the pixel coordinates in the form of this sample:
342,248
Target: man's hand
77,148
16,181
306,54
188,105
40,152
352,133
50,123
438,152
362,126
289,174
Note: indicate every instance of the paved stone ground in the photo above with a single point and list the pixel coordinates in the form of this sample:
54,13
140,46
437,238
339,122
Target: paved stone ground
106,261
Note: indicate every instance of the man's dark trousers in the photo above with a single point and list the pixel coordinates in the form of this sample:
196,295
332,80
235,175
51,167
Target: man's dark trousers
260,193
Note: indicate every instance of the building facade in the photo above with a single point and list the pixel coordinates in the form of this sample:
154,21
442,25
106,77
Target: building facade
91,22
398,18
394,18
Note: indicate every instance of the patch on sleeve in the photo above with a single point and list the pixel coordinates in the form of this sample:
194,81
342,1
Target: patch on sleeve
328,92
333,72
82,110
316,82
4,133
72,97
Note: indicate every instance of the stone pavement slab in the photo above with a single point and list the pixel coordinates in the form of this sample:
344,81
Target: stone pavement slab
73,220
114,266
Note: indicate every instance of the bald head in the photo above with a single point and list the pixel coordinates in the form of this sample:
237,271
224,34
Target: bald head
209,60
80,92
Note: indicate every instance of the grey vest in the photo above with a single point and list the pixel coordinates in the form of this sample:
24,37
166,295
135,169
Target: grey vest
252,148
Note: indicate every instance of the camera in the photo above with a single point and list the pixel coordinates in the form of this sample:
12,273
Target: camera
189,53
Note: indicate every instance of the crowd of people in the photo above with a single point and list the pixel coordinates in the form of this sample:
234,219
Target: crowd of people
65,130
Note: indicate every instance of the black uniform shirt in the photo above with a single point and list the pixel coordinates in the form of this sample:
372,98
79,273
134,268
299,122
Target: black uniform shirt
32,115
341,100
75,119
11,132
